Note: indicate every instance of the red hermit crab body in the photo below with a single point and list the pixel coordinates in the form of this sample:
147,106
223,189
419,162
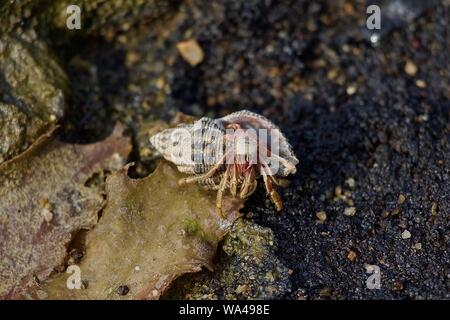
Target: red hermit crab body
230,153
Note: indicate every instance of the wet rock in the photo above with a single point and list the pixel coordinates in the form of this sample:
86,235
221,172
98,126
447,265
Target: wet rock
246,269
97,16
32,93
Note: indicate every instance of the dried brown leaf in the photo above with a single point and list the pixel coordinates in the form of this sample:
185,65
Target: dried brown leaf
44,201
151,232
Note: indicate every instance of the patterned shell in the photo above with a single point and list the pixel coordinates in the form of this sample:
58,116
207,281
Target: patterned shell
187,143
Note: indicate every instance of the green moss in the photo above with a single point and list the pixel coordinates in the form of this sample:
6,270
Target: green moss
193,228
247,269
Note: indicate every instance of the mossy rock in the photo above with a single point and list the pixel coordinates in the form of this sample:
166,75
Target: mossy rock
32,93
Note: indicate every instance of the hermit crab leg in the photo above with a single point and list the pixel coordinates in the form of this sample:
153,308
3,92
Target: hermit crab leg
276,199
201,177
249,181
222,187
204,176
248,190
233,182
280,182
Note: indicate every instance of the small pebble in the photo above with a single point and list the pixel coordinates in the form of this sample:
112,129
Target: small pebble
351,255
332,74
434,209
191,52
321,215
421,84
397,286
325,293
423,118
406,234
401,199
410,68
418,246
241,289
350,182
351,90
350,211
123,290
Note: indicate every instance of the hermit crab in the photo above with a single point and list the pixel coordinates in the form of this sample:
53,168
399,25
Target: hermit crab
230,153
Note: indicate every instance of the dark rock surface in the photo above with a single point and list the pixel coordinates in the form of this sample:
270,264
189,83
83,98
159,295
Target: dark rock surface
370,133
